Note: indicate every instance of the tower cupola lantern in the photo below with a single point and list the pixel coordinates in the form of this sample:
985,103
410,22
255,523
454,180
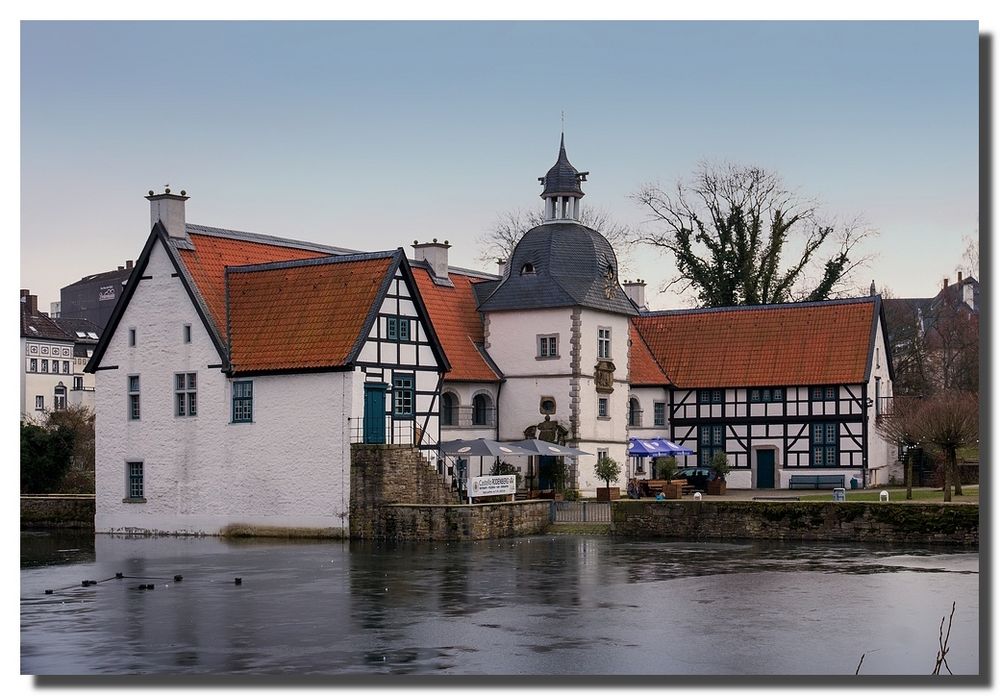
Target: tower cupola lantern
562,192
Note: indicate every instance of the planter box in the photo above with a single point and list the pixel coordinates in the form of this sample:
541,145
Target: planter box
673,490
608,494
716,487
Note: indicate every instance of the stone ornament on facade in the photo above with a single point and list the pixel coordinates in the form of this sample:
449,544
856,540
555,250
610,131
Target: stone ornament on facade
604,376
548,430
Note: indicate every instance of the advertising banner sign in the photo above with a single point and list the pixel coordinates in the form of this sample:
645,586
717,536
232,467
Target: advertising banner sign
493,485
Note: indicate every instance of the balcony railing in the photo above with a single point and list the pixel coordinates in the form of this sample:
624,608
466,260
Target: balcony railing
468,417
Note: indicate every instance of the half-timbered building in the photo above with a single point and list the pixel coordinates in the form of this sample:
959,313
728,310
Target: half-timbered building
237,369
782,390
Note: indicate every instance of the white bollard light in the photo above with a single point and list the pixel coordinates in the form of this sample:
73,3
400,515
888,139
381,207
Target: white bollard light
883,497
697,495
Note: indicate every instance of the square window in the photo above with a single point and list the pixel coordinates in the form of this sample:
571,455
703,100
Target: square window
65,367
602,407
77,383
33,365
391,328
404,329
716,396
131,337
45,365
187,333
548,347
39,403
755,395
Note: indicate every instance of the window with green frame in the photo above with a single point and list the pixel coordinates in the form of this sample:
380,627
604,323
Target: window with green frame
243,401
823,443
823,394
659,413
767,395
711,439
402,396
709,396
135,481
397,328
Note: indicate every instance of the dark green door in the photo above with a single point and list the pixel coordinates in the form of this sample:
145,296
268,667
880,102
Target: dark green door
546,473
765,468
374,419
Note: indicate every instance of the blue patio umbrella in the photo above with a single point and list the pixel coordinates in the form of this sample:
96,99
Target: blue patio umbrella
655,447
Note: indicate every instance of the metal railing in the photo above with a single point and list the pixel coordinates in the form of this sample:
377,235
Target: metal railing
468,417
394,432
580,511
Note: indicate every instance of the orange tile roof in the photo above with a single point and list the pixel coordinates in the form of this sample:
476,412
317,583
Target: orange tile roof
211,254
809,343
301,316
454,315
642,367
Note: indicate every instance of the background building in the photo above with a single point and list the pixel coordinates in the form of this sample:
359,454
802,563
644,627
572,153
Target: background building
93,297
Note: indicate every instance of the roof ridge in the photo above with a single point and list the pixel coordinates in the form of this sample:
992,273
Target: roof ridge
319,261
746,308
266,239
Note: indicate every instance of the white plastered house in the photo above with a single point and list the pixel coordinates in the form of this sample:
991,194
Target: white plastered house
238,368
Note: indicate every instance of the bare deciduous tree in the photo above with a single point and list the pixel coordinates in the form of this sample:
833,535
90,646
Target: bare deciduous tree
898,424
499,241
949,420
730,229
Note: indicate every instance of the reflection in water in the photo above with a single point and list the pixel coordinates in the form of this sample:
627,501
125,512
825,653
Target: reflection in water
541,605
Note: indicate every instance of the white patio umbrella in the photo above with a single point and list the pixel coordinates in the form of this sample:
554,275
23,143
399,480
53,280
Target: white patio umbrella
481,447
547,449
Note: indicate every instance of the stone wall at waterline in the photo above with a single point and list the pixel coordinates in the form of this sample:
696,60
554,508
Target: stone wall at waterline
396,495
798,521
462,522
45,511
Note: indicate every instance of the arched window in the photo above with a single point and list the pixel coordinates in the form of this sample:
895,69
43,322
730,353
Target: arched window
60,397
634,413
449,409
482,410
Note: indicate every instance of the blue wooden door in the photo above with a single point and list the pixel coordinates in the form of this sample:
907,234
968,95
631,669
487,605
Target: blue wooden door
374,417
765,468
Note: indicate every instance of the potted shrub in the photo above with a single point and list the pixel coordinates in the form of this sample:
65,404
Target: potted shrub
720,466
665,468
607,470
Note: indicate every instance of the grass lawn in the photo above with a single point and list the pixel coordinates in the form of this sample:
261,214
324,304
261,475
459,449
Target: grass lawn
899,494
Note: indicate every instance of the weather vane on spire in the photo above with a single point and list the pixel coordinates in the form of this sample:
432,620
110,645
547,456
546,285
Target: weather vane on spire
562,118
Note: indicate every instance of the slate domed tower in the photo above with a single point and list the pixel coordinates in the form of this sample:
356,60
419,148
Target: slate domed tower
557,325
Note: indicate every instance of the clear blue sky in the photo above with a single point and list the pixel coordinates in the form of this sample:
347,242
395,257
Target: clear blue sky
371,135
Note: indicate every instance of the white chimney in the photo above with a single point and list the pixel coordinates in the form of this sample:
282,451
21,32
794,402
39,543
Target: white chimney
636,291
168,208
968,295
436,256
501,267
